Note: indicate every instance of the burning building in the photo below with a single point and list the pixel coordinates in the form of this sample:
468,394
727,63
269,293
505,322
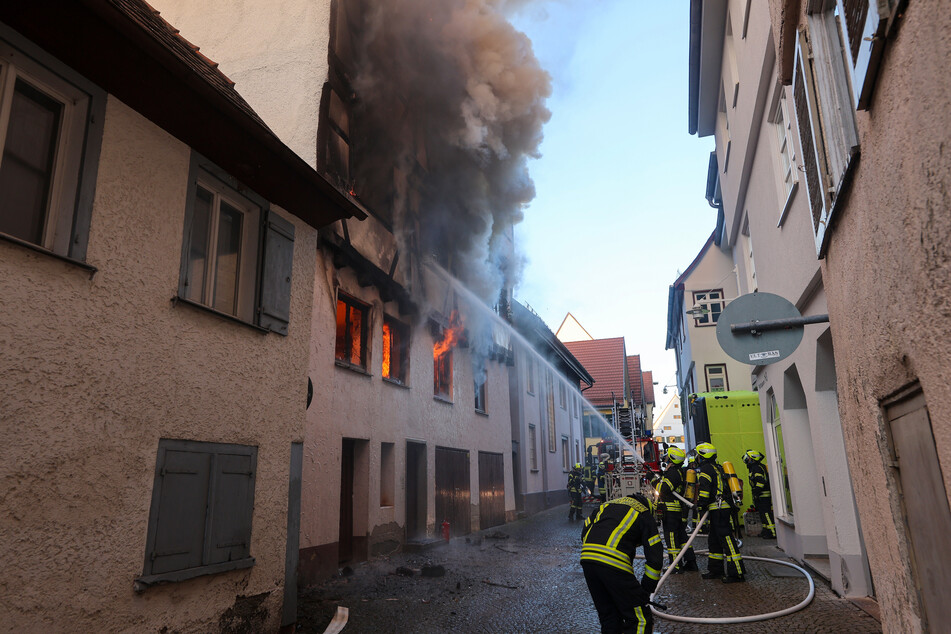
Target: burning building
424,113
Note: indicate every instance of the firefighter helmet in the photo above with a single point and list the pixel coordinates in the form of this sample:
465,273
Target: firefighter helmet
578,466
706,451
676,455
752,456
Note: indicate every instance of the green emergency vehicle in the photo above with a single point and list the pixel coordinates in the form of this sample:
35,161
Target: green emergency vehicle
732,422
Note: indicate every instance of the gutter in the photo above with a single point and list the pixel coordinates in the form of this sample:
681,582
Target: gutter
693,92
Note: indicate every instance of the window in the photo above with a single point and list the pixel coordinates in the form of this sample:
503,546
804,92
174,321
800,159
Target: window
748,261
779,448
550,394
480,378
533,447
825,118
562,396
864,32
442,374
723,129
785,154
387,473
337,157
712,301
530,370
237,257
395,350
351,345
50,135
202,502
565,454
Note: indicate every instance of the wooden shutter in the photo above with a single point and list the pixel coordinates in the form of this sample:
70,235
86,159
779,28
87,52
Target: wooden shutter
813,157
232,507
179,533
274,311
863,30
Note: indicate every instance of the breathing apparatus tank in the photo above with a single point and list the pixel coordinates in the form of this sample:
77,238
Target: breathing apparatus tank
734,482
690,486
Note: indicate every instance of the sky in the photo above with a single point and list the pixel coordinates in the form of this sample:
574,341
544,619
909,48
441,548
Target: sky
620,208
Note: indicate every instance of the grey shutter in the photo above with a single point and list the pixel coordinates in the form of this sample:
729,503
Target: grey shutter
232,507
180,519
274,311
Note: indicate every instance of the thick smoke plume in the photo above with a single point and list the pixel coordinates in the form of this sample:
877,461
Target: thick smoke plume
452,101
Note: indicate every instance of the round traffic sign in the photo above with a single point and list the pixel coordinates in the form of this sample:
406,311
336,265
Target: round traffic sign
758,347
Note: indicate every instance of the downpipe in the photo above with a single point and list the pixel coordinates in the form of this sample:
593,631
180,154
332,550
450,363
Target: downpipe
730,619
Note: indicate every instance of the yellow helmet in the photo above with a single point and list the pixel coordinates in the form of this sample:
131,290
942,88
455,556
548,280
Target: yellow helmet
578,465
676,455
752,456
706,451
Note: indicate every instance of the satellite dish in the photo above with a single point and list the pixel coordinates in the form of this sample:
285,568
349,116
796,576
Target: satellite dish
774,342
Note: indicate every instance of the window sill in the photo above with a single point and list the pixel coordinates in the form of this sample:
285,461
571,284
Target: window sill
442,399
351,367
181,300
62,258
788,205
395,383
147,581
786,522
534,470
482,412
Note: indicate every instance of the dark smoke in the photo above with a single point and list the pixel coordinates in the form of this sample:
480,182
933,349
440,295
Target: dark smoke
452,101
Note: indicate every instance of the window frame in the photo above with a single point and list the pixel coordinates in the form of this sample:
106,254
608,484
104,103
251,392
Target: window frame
480,391
706,374
69,206
271,266
565,453
711,318
404,343
530,373
787,169
533,450
355,304
213,491
865,44
825,119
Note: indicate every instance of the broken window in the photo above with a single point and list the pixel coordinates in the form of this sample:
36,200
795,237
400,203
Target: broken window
479,378
395,350
351,332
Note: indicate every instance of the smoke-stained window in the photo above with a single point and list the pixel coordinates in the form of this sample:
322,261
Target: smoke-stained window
351,348
533,447
442,373
550,394
395,366
480,379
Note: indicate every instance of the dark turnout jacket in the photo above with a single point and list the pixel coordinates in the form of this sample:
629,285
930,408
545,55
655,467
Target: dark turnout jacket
612,535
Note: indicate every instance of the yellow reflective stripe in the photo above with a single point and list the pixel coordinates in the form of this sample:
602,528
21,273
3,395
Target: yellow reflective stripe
621,529
641,621
609,561
598,549
651,573
714,556
653,540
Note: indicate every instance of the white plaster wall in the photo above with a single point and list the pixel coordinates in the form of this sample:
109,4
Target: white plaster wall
95,370
275,52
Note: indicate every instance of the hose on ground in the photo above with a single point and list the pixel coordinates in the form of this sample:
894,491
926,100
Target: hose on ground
731,619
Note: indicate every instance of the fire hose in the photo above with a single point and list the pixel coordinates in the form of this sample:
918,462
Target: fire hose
660,610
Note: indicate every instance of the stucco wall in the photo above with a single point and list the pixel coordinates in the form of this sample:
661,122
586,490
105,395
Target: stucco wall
888,279
96,371
275,52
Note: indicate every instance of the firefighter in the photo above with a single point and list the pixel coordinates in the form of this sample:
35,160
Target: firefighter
588,474
574,493
759,487
673,512
724,559
609,543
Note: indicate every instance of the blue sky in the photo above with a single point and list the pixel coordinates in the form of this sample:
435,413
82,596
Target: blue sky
620,205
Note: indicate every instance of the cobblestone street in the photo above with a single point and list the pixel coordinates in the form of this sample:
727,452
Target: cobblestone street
525,577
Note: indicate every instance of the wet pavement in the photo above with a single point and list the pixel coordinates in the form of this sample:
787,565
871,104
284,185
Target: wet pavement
525,577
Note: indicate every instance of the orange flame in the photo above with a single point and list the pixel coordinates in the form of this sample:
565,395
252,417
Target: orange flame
387,346
451,336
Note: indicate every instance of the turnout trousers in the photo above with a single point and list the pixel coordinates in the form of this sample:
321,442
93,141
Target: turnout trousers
724,557
764,506
620,600
675,536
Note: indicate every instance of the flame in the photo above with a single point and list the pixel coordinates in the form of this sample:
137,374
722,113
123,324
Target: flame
451,336
387,349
